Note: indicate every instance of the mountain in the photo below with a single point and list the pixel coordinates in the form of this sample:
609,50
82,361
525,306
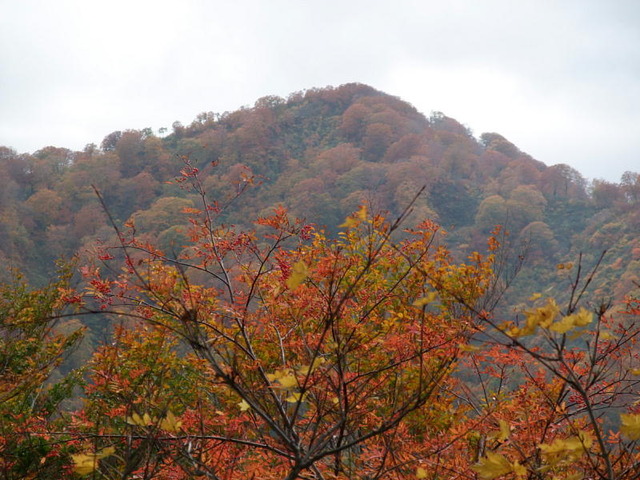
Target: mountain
322,153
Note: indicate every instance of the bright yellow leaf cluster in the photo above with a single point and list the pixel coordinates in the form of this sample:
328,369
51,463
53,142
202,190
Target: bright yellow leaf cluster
539,317
421,302
309,369
564,451
630,425
140,420
284,378
299,273
296,397
169,423
545,317
357,218
495,465
86,463
580,319
505,431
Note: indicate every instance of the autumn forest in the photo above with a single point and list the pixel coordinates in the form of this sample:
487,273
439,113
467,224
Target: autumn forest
327,286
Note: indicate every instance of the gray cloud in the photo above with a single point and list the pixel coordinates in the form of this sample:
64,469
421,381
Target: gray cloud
559,79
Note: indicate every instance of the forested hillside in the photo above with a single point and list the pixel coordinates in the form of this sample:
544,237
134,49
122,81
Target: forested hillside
322,153
330,286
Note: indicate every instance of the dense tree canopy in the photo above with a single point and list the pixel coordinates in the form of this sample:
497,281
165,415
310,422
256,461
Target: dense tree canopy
213,335
277,352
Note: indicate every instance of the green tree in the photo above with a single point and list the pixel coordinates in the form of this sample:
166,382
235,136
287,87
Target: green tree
32,346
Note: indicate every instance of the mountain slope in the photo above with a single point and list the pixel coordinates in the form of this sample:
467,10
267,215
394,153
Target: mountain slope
322,153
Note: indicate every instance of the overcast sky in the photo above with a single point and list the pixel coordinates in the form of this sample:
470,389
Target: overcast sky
559,78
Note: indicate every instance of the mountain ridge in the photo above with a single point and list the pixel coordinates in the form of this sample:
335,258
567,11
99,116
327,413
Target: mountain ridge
321,153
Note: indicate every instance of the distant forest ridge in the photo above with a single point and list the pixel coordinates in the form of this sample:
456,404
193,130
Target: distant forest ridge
322,153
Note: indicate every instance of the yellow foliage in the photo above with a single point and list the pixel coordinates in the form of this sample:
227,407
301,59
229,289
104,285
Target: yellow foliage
519,470
285,378
630,427
308,369
421,473
356,219
583,318
565,450
465,347
421,302
170,423
606,335
295,397
580,319
244,406
492,466
505,430
288,381
299,273
86,463
138,420
541,316
563,326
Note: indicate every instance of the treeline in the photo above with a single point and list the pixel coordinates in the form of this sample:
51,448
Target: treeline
321,153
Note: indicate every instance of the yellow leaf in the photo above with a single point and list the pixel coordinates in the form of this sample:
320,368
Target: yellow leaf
564,266
519,470
170,423
421,473
505,430
635,371
421,302
244,406
349,223
580,319
541,316
630,425
356,219
299,273
586,439
134,419
288,381
583,318
141,421
535,297
86,463
492,466
465,347
564,325
606,335
295,397
560,445
106,452
564,451
308,369
362,213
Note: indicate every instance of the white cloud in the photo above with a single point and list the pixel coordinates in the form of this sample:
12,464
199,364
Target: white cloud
559,79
